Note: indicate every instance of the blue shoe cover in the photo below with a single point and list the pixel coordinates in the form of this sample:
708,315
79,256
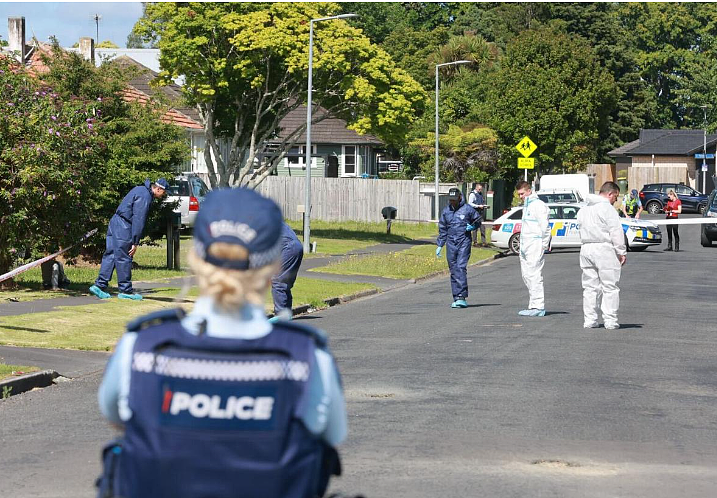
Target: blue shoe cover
133,297
99,292
459,303
532,312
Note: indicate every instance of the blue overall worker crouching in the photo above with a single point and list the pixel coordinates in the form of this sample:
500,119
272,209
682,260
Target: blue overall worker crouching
221,402
123,236
292,253
457,221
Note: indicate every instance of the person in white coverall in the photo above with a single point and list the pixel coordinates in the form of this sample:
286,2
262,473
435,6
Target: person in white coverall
534,241
602,255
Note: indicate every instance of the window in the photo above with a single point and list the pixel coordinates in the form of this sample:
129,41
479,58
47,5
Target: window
517,215
553,213
683,190
296,156
570,213
199,187
349,162
666,187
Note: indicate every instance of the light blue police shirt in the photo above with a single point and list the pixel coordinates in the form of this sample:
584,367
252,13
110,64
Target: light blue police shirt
326,412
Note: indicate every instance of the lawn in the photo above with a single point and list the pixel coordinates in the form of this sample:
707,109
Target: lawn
7,371
334,237
416,262
151,265
98,326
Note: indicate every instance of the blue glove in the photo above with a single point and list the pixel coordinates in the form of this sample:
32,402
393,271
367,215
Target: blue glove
438,251
470,228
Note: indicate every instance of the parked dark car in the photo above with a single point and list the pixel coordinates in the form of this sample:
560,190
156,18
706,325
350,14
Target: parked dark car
654,197
709,231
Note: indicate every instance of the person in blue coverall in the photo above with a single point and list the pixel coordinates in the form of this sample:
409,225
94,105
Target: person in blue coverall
234,405
123,235
292,253
457,221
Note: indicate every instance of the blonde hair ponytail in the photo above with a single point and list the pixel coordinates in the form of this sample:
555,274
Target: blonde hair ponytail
231,289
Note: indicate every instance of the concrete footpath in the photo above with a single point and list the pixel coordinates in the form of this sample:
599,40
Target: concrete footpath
65,363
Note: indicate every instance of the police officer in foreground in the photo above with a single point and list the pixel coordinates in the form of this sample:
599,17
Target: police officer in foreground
457,221
123,235
219,402
292,253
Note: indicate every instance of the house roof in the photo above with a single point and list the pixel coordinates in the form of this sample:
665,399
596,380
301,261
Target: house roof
328,131
140,90
666,143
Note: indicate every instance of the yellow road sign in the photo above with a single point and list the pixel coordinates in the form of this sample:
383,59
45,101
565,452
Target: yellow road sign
526,163
526,147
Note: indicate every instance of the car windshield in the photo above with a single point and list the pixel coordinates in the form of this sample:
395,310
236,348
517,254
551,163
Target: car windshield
558,197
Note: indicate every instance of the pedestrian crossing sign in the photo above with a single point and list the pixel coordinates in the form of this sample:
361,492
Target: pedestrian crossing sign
526,147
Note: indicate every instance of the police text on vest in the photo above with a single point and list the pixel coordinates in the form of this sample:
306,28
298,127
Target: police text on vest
205,406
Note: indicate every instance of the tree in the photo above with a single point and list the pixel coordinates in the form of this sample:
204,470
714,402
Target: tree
245,67
675,46
50,160
550,87
469,153
106,44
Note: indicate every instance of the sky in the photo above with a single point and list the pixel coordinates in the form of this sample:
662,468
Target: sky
70,21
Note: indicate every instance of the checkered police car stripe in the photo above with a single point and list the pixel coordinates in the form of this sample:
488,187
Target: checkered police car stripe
192,368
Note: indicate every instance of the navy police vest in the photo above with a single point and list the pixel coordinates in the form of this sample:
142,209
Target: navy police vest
215,417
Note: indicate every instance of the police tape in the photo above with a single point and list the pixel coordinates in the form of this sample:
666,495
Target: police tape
32,265
684,221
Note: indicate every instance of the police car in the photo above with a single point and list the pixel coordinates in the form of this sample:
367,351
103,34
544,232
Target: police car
564,229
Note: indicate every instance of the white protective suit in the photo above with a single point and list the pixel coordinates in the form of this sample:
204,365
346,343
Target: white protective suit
534,241
603,240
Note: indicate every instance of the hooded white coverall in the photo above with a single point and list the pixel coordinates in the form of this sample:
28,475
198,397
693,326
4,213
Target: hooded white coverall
603,240
534,241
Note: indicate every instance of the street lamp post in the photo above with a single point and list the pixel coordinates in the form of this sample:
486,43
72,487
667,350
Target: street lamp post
436,197
307,203
704,149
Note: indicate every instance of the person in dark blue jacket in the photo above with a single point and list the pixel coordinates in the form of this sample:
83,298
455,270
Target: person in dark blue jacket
123,235
292,253
457,221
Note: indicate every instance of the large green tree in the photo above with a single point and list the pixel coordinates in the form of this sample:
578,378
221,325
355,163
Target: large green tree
676,53
245,67
549,86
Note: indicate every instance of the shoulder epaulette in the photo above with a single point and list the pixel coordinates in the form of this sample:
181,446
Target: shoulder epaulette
155,318
319,336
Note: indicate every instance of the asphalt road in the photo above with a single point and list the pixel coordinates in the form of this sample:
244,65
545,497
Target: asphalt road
477,402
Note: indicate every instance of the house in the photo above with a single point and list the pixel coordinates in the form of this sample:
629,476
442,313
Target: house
337,151
664,156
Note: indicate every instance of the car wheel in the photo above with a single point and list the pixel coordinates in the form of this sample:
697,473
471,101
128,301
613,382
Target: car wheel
653,207
514,243
701,208
704,240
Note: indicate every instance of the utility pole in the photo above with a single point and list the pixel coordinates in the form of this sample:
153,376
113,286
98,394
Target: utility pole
97,18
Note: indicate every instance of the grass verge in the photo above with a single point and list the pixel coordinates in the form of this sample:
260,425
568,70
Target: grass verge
7,371
416,262
98,326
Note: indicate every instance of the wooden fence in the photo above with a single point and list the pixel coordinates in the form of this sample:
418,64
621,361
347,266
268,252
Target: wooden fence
344,199
641,176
